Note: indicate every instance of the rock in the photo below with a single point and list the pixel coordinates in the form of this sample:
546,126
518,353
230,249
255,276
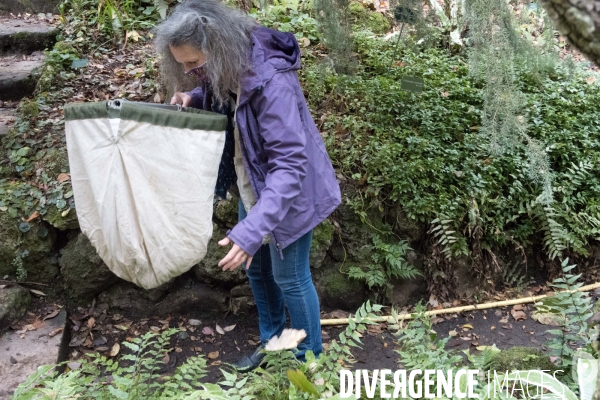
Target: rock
26,36
406,292
226,212
322,239
43,346
7,118
27,255
17,79
83,271
55,217
184,295
521,358
126,297
242,305
14,301
29,6
204,300
241,290
338,291
208,270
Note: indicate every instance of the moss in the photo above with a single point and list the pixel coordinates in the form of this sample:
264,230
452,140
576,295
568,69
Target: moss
47,79
322,239
55,217
522,359
365,19
338,291
55,161
32,249
29,108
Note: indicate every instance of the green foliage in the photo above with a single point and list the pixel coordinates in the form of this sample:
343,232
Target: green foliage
421,348
364,19
426,153
111,19
290,16
576,308
388,262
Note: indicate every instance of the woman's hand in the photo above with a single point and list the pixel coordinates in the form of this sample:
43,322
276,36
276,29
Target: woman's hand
235,257
181,98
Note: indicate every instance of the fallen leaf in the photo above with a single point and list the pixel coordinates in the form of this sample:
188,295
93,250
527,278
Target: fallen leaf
207,330
63,177
51,315
157,98
548,318
115,349
504,320
519,307
91,322
220,330
37,292
73,365
229,328
178,349
194,322
213,354
518,315
466,327
453,333
55,332
33,216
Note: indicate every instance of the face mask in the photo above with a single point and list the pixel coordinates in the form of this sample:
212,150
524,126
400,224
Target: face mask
197,72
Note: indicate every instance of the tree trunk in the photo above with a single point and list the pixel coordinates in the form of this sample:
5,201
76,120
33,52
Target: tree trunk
579,21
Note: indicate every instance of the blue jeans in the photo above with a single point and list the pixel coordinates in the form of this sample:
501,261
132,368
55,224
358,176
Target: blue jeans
276,283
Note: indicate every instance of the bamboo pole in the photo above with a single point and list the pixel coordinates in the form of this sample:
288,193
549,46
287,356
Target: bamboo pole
400,317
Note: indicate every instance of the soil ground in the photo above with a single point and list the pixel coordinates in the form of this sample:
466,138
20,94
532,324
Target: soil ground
503,327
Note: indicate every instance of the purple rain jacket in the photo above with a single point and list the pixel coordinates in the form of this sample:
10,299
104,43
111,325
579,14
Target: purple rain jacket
287,163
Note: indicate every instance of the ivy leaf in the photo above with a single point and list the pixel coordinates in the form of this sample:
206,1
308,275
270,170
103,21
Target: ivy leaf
24,227
60,204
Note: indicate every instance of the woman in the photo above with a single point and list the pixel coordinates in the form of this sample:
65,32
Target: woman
248,72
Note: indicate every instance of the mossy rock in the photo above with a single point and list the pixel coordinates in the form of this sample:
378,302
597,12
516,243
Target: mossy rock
14,301
321,241
29,108
83,271
521,359
62,219
226,211
48,78
337,290
29,253
365,19
208,270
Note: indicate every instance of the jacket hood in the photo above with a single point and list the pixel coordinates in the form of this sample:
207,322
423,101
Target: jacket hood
272,52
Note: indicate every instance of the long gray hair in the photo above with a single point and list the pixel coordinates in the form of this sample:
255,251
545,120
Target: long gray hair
219,31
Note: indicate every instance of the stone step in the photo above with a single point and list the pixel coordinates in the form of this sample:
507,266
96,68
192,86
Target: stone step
29,6
22,353
26,35
16,78
7,118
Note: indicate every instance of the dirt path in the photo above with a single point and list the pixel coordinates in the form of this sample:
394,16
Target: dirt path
506,327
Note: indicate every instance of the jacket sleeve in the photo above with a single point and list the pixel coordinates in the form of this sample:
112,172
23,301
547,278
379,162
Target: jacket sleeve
197,95
281,128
